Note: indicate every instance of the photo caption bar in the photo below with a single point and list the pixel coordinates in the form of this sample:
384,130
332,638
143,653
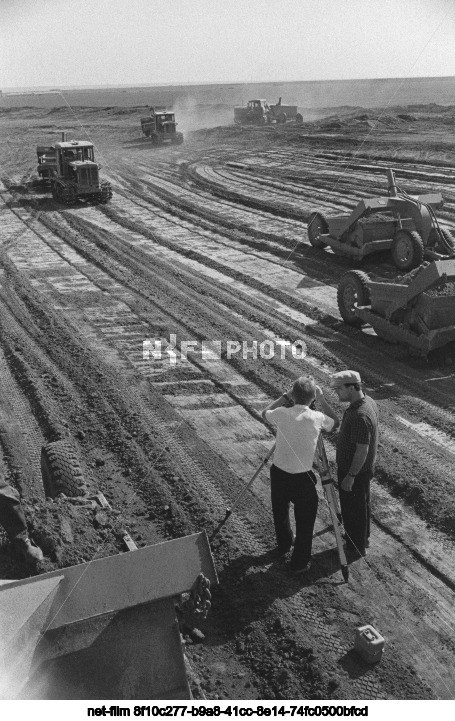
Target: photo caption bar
235,710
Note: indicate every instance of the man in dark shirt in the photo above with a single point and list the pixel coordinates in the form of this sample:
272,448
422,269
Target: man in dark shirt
357,446
12,519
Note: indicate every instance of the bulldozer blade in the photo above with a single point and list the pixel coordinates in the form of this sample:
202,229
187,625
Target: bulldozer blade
102,629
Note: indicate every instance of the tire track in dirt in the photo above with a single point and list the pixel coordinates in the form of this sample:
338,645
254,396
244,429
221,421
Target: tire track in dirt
430,460
17,420
443,389
333,192
207,251
56,277
437,665
216,209
362,687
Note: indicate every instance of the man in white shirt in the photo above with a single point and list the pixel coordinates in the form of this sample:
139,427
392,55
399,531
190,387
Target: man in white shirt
292,478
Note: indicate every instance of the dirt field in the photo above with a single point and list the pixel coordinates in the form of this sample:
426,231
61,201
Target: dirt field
208,241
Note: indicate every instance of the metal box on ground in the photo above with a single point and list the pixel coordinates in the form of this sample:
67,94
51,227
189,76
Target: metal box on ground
369,644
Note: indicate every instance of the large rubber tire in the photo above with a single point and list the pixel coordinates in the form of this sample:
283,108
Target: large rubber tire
446,242
352,291
441,240
60,470
299,118
317,225
407,249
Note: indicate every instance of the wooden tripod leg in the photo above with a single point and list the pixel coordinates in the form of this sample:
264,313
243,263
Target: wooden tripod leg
335,514
337,527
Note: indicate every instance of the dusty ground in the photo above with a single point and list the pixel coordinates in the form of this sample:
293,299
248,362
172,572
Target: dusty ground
208,241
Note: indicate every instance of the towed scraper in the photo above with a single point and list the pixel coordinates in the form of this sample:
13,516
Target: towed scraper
404,224
417,309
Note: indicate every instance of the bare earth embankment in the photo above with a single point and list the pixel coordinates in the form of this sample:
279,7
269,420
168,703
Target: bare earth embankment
208,241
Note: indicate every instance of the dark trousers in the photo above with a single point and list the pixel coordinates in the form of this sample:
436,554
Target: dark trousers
355,509
11,514
299,489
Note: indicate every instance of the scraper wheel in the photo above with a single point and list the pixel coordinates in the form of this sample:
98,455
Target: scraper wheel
352,291
317,226
407,249
446,241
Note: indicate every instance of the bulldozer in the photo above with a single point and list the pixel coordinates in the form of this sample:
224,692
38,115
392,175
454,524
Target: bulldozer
160,127
77,174
109,627
404,224
417,309
259,112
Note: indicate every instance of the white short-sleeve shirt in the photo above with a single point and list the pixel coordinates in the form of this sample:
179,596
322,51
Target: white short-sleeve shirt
298,430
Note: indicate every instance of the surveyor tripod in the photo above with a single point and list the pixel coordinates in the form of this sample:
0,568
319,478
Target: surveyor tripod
332,502
329,492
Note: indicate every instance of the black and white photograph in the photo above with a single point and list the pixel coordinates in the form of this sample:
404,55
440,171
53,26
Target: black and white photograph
227,358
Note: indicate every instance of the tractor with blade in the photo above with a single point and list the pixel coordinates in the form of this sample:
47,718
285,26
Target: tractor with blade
76,174
403,223
106,628
160,127
417,309
259,112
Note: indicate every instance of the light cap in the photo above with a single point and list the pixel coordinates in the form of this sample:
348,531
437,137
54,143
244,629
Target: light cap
344,377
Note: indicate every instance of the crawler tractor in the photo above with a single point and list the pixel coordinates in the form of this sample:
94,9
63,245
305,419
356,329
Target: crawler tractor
405,224
417,309
161,127
77,174
259,112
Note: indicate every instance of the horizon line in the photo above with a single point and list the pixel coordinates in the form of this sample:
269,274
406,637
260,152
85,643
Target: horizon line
107,86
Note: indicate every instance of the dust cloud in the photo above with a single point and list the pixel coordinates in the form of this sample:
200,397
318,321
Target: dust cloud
192,115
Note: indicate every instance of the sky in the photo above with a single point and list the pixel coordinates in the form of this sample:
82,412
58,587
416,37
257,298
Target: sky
57,43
